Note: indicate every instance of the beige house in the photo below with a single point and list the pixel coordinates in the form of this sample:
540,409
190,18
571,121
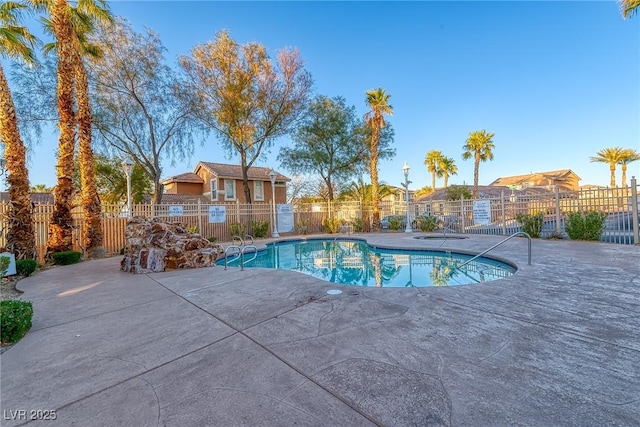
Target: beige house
222,183
565,179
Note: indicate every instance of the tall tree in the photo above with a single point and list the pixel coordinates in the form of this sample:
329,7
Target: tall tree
480,146
378,102
629,7
61,226
432,160
138,111
330,141
447,167
611,156
16,43
627,156
112,181
84,18
242,95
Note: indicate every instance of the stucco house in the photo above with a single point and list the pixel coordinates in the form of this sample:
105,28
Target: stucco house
222,183
565,179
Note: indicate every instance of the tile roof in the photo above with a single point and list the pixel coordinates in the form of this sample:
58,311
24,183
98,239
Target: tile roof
183,177
235,171
42,198
518,179
484,192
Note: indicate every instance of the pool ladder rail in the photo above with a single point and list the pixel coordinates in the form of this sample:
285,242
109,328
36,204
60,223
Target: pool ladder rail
237,251
519,233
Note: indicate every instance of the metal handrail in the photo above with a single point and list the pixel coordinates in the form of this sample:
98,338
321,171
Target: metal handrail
519,233
244,250
226,254
241,250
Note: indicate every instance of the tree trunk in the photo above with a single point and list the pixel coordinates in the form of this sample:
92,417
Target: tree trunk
61,227
375,197
92,235
623,184
476,169
158,189
21,234
446,180
433,181
612,169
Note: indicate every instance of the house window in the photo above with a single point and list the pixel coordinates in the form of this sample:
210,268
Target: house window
214,189
258,190
229,189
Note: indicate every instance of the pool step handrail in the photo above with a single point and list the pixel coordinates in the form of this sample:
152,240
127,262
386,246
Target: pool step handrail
240,249
227,254
519,233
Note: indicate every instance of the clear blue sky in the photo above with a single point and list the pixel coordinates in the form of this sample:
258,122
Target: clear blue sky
555,81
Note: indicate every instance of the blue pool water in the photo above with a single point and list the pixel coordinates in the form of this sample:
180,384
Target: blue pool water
354,262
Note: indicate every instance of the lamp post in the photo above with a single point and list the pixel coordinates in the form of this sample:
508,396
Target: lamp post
127,166
272,175
405,170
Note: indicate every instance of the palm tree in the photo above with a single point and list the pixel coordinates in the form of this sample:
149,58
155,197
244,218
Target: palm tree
41,188
378,101
629,7
612,157
627,156
17,43
61,226
432,160
447,167
83,23
480,146
70,27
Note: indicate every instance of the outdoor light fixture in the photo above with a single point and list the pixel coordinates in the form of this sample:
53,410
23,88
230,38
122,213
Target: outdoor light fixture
405,170
127,166
272,175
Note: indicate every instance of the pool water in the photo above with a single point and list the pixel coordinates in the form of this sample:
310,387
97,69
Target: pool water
354,262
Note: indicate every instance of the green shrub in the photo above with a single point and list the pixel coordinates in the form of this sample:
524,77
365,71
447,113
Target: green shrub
395,223
455,192
212,239
259,228
4,265
66,257
531,224
426,222
26,267
585,225
331,225
236,229
358,225
15,319
303,226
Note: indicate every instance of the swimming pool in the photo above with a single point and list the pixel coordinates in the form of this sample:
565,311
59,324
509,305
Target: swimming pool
354,262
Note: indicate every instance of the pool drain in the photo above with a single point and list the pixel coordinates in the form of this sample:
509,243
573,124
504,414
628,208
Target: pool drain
334,291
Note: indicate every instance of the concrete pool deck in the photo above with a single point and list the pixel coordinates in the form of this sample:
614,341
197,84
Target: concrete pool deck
557,344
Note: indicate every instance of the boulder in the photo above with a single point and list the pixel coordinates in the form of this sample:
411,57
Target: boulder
159,246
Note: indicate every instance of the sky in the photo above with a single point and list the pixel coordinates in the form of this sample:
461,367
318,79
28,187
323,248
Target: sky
554,81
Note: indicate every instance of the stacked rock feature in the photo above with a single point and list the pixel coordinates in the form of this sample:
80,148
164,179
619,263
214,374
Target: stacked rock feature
158,246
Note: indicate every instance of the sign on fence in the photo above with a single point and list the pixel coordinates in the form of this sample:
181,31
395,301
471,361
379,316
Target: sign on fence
482,212
176,210
217,214
285,218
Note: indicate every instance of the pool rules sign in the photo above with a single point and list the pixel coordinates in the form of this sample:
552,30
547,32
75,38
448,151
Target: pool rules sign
482,212
217,214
